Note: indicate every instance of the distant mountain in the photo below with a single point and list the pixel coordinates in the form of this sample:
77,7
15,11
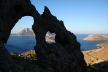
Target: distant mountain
50,37
96,37
24,32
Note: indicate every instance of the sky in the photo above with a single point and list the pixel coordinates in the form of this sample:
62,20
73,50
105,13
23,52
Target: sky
79,16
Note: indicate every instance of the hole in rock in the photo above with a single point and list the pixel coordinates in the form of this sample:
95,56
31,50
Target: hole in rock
22,37
50,37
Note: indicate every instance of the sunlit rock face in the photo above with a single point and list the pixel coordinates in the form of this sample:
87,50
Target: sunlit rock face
62,56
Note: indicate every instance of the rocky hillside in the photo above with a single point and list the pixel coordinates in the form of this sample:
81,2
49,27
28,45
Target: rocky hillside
97,55
96,37
24,32
91,56
96,59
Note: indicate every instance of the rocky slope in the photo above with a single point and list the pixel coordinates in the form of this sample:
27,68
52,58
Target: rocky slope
96,59
91,56
96,37
97,55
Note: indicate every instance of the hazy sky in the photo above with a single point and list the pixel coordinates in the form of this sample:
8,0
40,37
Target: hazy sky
79,16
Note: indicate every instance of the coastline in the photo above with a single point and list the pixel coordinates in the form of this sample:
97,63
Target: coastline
97,55
96,37
91,56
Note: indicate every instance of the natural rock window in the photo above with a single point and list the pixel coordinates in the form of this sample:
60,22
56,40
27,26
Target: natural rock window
22,36
50,37
63,56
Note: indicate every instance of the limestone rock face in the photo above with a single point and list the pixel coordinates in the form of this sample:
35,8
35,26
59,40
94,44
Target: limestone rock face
62,56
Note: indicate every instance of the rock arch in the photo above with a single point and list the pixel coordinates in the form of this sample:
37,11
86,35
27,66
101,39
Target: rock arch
63,56
10,12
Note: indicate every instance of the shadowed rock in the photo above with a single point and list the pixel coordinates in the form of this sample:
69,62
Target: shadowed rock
62,56
10,12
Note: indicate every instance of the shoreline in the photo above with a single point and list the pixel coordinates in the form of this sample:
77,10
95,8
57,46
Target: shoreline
96,37
91,57
97,55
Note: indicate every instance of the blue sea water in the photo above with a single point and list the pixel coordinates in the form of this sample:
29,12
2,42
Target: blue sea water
21,44
87,45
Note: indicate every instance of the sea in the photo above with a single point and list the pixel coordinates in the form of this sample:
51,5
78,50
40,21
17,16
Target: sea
20,44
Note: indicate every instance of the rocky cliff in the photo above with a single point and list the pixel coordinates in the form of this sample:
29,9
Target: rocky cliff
62,56
96,37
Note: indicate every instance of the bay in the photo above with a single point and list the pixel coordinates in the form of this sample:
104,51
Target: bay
21,44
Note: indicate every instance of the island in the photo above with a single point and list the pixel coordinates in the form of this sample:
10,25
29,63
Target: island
25,32
50,37
96,37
